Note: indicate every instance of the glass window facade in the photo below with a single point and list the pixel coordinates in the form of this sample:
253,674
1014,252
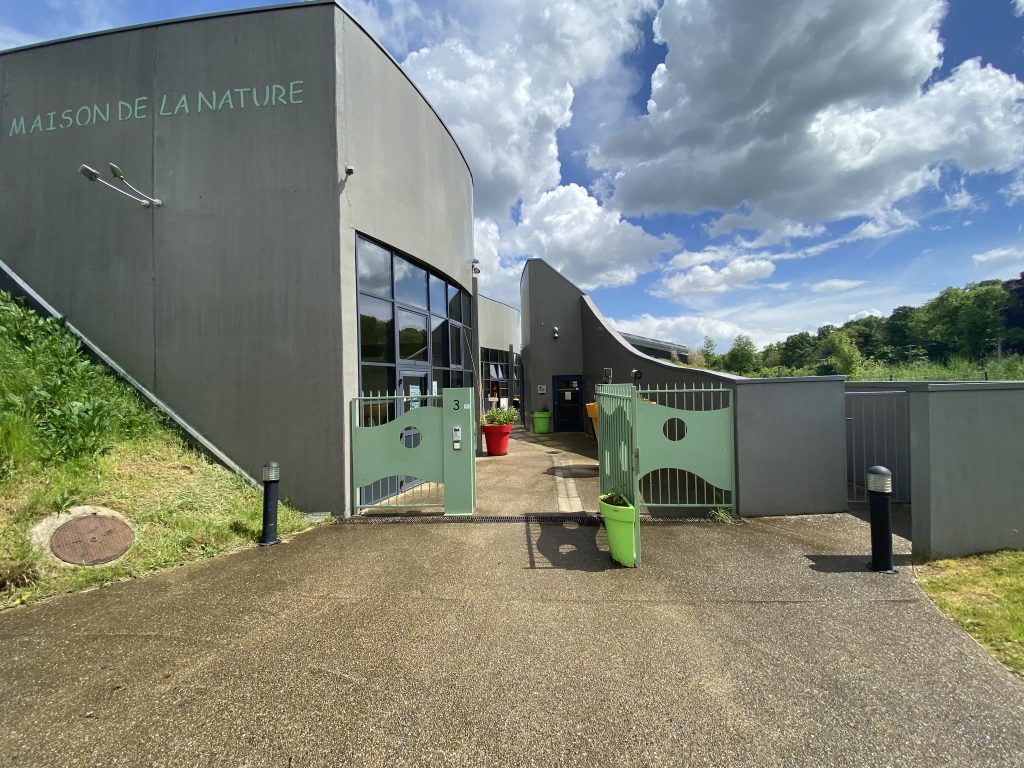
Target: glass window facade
500,380
414,325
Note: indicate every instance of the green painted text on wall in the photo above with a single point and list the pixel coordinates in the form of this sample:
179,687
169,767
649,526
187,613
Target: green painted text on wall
168,105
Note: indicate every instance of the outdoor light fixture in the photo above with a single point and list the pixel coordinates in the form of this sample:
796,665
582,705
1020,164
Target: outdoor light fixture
476,269
349,170
554,331
117,174
879,480
93,175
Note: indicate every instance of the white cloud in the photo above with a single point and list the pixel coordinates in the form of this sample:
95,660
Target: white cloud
504,80
962,200
705,279
684,329
1006,253
807,111
866,313
1014,191
835,285
590,244
1018,7
15,38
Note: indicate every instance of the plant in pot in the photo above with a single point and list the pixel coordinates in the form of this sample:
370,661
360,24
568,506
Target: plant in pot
496,425
620,524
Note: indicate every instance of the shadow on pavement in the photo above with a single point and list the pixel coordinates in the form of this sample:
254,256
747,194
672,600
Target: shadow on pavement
565,546
851,563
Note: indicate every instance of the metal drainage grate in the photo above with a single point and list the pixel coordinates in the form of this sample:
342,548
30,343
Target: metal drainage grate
582,519
91,540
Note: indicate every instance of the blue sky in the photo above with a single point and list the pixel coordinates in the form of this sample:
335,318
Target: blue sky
715,168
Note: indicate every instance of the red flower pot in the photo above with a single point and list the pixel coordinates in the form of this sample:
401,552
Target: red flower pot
496,436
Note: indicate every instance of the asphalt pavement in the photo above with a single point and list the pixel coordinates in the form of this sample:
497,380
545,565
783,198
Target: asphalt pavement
511,644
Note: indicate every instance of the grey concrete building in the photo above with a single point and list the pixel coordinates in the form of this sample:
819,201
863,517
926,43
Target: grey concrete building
315,236
789,433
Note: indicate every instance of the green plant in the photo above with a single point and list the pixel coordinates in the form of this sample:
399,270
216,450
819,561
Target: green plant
616,498
721,514
500,417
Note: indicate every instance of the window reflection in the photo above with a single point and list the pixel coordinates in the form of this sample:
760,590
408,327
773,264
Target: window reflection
412,335
374,268
376,330
410,283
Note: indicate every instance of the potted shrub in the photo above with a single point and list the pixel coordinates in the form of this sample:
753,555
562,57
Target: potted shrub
496,425
620,524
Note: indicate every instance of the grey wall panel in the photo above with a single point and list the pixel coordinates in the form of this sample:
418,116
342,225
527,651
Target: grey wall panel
968,446
86,249
790,446
247,307
548,301
411,188
499,325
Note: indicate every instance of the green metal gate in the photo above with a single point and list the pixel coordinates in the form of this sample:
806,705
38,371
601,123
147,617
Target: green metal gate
414,452
668,447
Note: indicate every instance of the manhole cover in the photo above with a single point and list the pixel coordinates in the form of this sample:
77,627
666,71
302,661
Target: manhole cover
91,540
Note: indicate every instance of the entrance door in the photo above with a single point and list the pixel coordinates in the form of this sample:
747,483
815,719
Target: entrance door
568,413
413,384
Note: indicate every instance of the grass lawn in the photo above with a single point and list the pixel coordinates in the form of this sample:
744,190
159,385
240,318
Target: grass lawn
71,433
984,594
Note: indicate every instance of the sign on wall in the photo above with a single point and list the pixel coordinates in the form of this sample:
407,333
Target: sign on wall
166,105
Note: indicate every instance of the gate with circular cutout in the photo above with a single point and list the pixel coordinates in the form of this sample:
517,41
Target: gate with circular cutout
414,452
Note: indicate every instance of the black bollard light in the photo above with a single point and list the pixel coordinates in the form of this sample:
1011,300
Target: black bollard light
880,504
271,474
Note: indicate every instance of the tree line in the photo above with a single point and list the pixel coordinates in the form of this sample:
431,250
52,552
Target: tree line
973,324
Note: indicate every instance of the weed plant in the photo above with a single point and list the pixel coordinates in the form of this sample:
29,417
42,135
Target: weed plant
72,433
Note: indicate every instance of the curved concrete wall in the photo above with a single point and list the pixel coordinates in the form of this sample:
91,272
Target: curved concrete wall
235,302
499,325
782,425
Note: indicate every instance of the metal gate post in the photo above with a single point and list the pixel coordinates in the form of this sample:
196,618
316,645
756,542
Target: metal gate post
635,472
460,462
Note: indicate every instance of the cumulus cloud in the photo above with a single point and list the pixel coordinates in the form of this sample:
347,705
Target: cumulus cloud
835,285
591,245
706,279
1018,7
866,313
684,329
807,111
1006,253
504,79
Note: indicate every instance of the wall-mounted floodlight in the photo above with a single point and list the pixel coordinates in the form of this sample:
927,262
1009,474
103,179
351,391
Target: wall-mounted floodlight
554,331
476,269
115,171
93,175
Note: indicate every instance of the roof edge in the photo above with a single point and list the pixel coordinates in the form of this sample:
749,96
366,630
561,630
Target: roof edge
256,9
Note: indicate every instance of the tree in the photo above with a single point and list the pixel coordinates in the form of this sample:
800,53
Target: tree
771,355
707,353
799,350
845,358
742,358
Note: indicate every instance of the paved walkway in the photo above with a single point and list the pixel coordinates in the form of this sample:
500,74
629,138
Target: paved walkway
509,644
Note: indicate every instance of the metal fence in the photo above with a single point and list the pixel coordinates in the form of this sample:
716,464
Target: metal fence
395,491
414,452
668,447
877,433
686,446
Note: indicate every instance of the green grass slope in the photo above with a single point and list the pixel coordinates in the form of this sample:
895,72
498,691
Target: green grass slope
72,433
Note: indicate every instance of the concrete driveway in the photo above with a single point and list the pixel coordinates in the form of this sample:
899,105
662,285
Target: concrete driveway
511,644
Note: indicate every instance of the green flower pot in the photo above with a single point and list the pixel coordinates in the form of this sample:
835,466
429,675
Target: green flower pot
620,525
541,422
